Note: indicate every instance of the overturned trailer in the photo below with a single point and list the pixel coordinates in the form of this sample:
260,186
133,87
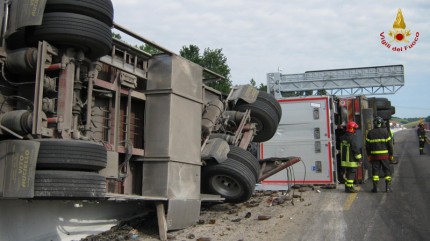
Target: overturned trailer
87,117
314,124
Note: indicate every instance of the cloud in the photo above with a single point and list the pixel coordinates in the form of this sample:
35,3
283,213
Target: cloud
257,37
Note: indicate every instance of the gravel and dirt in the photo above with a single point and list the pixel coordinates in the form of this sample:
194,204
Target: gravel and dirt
268,215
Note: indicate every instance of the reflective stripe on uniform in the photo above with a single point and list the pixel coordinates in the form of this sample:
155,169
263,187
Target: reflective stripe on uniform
349,164
375,178
379,152
388,178
378,140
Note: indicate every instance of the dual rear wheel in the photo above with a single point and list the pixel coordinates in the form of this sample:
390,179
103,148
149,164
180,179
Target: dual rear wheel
266,113
80,24
235,178
68,169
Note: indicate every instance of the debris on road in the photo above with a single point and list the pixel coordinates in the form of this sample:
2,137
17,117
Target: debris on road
225,221
264,217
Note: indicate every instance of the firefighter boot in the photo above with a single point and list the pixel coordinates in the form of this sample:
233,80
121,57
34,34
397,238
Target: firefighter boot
375,187
388,186
350,190
349,186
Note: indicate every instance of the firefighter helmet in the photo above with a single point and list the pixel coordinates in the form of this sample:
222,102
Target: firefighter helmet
351,126
421,124
377,122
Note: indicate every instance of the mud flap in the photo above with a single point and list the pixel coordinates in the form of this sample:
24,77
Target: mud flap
246,93
182,213
17,168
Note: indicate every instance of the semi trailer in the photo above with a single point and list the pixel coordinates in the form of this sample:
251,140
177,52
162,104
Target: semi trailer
85,116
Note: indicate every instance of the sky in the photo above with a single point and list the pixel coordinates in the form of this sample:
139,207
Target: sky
292,36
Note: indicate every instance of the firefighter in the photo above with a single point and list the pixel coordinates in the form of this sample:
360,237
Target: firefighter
391,131
379,148
350,156
421,132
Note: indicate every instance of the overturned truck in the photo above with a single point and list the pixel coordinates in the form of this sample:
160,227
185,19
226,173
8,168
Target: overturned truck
84,116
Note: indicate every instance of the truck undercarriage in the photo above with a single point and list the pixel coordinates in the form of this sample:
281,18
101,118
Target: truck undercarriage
84,116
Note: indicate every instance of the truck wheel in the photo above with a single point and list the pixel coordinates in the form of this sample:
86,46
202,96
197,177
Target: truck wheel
16,40
384,114
382,103
69,184
271,100
72,30
230,179
101,10
245,157
264,116
60,154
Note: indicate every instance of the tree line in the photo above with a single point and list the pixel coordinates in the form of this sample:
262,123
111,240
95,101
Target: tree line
216,61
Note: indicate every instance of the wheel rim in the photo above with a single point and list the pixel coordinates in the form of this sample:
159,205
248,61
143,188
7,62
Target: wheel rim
259,124
225,185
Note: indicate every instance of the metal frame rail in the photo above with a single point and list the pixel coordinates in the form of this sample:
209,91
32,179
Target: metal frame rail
374,80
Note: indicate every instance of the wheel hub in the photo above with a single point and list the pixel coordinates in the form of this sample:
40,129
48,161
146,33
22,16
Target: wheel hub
226,185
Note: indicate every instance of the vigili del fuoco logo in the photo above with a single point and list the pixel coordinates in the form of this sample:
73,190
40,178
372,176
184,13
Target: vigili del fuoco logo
399,39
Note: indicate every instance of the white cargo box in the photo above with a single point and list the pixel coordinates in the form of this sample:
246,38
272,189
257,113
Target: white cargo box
305,131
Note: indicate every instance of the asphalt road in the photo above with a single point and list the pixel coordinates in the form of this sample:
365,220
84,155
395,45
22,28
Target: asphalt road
331,214
403,214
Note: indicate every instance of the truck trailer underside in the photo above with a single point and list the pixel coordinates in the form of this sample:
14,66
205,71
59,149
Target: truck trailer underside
94,130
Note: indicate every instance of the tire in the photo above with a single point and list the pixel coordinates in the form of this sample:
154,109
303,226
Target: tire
264,116
230,179
60,154
271,100
101,10
16,40
382,103
393,110
384,114
245,157
69,184
72,30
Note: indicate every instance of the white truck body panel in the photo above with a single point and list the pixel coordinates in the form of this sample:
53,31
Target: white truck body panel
305,130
